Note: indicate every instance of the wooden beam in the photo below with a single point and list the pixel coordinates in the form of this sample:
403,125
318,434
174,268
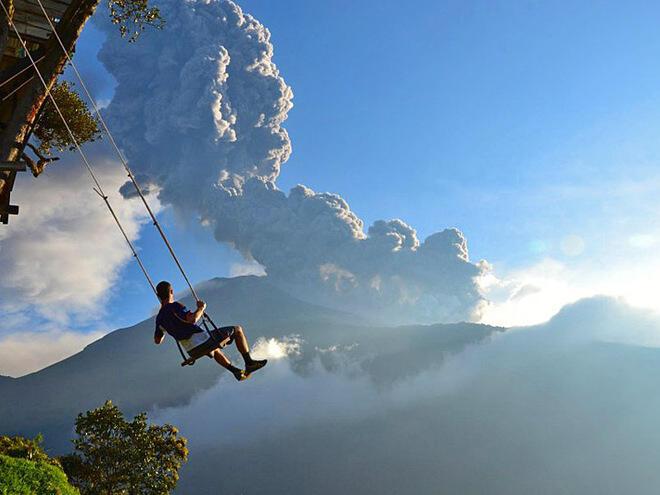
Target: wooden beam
13,166
9,74
7,210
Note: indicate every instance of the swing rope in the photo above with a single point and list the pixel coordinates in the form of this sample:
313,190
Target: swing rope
98,189
122,159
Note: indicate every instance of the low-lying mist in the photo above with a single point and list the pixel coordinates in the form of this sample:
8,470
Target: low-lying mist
565,407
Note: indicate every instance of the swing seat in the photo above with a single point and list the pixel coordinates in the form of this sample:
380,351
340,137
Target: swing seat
204,349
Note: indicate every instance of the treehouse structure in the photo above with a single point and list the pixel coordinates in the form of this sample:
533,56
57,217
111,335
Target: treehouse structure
18,81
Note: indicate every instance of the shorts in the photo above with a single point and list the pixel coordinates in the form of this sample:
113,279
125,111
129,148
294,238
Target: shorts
220,338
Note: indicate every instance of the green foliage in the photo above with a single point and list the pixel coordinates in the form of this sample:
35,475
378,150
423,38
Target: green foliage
50,129
23,477
132,16
114,456
25,448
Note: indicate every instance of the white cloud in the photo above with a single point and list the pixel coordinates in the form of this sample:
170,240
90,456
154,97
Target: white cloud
63,252
246,268
642,241
61,256
528,296
277,348
535,293
25,352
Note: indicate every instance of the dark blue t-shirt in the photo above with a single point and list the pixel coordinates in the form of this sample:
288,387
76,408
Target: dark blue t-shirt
172,319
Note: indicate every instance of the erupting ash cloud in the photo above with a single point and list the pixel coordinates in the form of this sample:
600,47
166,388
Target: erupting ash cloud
199,110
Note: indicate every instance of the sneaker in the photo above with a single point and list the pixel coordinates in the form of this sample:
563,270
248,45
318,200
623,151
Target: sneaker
254,366
241,375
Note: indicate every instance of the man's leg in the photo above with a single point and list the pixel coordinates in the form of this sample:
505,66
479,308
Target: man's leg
241,341
223,361
243,347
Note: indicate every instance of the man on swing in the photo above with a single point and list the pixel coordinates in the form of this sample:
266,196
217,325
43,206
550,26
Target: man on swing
180,323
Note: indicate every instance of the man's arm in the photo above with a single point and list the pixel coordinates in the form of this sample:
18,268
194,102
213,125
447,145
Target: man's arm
199,312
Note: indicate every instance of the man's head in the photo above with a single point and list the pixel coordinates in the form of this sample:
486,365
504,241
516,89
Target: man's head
165,292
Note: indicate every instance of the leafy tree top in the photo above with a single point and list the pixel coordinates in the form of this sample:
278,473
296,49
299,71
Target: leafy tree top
115,456
26,468
23,476
26,448
132,16
51,131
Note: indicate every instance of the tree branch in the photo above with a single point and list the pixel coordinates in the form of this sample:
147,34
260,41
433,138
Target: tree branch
37,167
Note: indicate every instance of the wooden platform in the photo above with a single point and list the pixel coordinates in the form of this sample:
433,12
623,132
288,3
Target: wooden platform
7,209
29,18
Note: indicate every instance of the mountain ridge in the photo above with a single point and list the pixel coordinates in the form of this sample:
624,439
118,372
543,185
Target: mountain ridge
126,367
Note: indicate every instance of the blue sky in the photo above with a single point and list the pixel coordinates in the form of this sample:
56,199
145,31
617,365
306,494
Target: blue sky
531,126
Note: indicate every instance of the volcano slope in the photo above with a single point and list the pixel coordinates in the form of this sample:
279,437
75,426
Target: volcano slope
126,367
